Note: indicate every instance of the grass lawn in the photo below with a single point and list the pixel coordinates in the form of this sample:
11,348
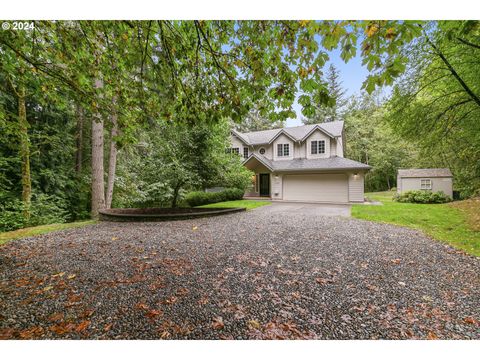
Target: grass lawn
249,204
38,230
453,223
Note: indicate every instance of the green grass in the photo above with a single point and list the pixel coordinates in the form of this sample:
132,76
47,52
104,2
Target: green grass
38,230
249,204
444,222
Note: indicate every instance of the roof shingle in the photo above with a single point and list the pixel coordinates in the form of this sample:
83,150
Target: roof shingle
424,172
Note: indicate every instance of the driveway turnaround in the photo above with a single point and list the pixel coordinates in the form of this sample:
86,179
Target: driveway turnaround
262,274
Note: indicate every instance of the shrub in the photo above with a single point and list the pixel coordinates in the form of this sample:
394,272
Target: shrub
44,209
197,198
393,189
422,197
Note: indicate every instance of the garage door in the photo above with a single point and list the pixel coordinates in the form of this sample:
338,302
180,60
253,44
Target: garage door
316,187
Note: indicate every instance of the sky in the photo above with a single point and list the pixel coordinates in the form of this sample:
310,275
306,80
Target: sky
352,75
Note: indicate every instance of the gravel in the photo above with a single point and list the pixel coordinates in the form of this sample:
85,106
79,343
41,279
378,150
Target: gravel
241,276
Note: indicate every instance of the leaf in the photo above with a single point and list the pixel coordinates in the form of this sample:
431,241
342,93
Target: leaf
72,276
470,320
432,336
194,228
107,327
153,313
142,306
47,288
253,324
114,238
82,326
323,281
217,323
60,274
55,317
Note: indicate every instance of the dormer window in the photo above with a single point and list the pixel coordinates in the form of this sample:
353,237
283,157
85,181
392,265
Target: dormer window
234,150
317,147
245,153
283,150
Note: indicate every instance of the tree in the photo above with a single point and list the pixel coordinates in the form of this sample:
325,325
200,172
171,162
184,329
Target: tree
435,105
255,122
332,111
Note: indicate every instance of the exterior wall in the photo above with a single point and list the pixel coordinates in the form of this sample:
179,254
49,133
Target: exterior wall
444,184
317,135
282,139
300,150
268,150
340,146
276,186
237,143
356,186
333,147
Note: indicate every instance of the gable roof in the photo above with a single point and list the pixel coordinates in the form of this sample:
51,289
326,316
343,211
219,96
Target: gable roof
425,172
331,163
296,133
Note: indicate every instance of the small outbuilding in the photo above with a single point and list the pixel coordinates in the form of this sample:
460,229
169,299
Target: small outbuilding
425,179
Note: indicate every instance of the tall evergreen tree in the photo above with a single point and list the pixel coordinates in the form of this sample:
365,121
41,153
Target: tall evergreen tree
334,109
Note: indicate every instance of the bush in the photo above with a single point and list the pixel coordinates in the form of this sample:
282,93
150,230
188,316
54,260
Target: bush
197,198
44,209
393,189
422,197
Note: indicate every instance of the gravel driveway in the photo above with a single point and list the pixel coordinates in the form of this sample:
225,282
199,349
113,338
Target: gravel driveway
257,275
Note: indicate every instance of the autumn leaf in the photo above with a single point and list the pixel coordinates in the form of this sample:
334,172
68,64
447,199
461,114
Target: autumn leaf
55,317
47,288
202,301
107,327
432,336
31,332
217,323
396,261
253,324
153,313
470,320
72,276
165,334
60,274
114,238
142,306
194,228
82,326
323,281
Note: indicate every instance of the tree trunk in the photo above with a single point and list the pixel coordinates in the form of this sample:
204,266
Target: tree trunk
79,151
24,154
388,182
176,190
98,183
112,160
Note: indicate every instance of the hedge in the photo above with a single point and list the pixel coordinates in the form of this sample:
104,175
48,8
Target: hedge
197,198
422,197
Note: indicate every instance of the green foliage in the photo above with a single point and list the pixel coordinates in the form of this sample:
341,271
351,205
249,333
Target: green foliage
422,197
46,209
198,198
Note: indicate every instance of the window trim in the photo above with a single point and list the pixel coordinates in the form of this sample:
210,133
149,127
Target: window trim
283,150
314,145
279,150
426,184
262,151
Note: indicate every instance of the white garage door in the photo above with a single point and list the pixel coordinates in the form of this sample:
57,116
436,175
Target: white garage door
316,187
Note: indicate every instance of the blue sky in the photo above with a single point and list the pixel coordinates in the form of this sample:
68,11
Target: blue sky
352,75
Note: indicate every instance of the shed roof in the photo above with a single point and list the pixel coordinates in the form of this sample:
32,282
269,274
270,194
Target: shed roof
445,172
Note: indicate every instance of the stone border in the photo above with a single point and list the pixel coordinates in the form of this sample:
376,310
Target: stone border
122,215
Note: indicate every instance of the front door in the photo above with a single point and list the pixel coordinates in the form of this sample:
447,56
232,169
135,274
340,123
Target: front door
264,184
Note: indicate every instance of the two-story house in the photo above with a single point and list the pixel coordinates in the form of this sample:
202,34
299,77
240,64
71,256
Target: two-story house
302,163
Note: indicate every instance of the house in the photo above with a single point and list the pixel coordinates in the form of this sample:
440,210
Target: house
302,163
425,179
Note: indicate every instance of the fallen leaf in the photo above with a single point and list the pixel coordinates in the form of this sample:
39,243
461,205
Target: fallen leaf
82,326
432,336
194,228
217,323
427,298
396,261
142,306
165,334
253,324
114,238
153,313
202,301
47,288
323,281
55,317
31,332
346,318
72,276
470,320
107,327
402,283
60,274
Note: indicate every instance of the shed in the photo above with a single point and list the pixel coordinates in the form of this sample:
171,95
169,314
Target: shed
425,179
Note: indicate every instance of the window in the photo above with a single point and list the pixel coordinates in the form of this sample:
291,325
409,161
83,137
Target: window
317,147
426,184
321,146
245,152
262,151
283,149
232,151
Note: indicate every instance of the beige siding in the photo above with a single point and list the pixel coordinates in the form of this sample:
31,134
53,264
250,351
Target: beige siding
333,147
276,186
282,139
316,187
299,150
356,187
438,184
317,135
268,150
339,146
